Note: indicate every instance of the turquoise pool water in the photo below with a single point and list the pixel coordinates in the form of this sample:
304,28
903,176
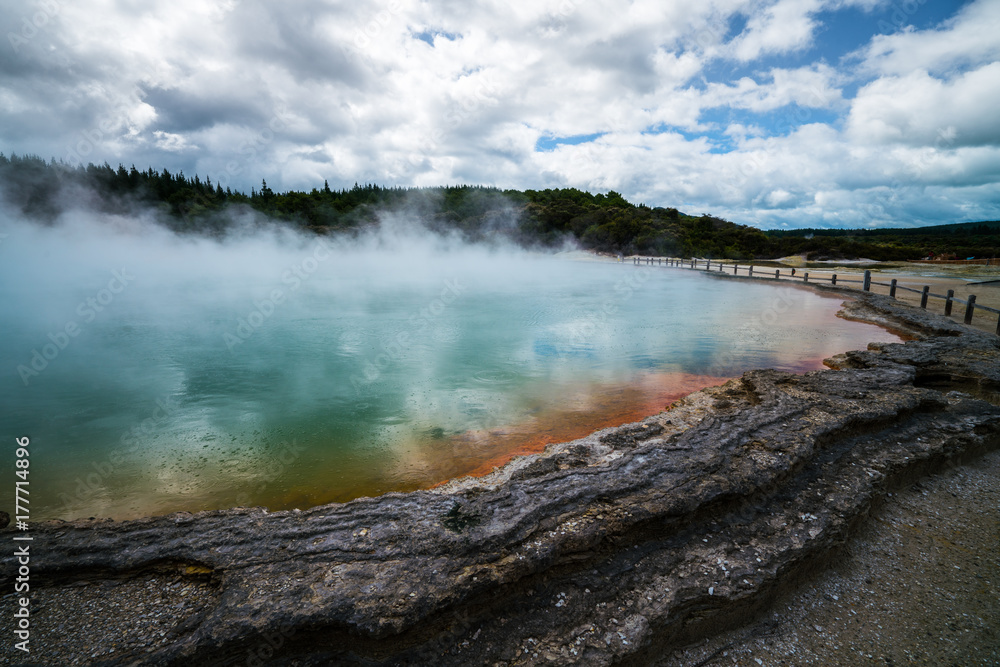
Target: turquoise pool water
154,374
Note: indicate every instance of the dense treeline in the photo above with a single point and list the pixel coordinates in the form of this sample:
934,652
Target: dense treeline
602,222
955,241
957,229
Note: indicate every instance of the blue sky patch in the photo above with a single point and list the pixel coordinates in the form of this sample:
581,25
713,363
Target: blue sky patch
550,143
429,35
922,15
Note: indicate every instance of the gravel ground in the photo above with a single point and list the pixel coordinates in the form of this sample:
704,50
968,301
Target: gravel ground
919,584
86,622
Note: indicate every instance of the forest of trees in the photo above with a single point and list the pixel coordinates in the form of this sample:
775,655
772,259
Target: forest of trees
600,222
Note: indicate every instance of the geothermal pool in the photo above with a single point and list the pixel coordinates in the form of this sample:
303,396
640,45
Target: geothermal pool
156,374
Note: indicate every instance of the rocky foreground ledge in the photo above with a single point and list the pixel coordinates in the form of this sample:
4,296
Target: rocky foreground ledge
615,548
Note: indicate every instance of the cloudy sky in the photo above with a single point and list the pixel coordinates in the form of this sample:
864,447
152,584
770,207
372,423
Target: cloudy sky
774,113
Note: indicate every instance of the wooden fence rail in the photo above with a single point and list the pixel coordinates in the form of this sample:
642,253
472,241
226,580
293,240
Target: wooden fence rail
866,283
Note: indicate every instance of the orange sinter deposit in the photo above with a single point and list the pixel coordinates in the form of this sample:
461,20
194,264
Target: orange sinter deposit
477,453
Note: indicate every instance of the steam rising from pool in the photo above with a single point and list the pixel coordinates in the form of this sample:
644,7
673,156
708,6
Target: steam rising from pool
156,372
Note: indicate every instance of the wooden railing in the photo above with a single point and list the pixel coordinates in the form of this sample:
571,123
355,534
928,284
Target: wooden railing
866,282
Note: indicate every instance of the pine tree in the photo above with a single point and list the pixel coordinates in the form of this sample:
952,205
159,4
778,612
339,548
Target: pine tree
265,192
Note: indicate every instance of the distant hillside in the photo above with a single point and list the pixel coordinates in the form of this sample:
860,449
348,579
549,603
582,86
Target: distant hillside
960,240
959,228
602,222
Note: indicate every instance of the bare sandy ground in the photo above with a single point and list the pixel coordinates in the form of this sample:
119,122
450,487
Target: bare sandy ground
987,294
965,280
962,279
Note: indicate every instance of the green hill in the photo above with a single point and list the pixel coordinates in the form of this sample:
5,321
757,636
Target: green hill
602,222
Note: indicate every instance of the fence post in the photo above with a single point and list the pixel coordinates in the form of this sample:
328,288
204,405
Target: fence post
923,297
970,309
947,302
777,274
833,281
805,278
867,286
892,288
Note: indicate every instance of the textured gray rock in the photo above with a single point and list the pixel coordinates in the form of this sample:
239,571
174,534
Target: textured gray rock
609,549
